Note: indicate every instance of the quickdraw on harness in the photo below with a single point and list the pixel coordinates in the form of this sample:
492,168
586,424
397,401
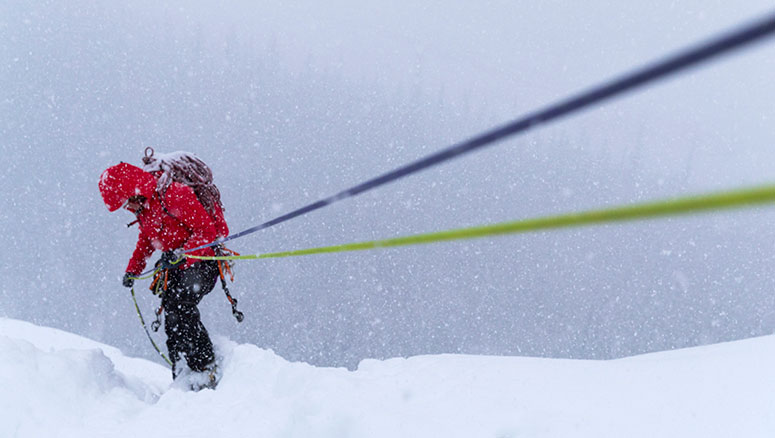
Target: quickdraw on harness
226,266
158,286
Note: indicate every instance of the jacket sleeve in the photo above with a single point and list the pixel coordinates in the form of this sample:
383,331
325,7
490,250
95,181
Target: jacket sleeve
142,253
183,204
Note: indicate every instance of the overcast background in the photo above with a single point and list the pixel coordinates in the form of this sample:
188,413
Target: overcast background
293,101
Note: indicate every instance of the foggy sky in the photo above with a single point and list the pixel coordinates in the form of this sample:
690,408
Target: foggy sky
291,103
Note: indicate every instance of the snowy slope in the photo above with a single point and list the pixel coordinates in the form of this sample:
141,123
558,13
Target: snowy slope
56,384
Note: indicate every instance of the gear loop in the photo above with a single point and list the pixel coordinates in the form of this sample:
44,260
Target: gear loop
148,158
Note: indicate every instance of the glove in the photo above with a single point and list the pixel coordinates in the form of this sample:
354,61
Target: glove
171,260
129,279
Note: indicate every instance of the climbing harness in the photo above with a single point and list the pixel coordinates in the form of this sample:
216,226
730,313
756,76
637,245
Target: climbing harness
225,266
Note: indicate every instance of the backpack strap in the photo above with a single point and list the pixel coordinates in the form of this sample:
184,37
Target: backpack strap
164,207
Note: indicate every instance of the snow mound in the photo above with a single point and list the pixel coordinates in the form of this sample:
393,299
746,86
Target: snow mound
57,384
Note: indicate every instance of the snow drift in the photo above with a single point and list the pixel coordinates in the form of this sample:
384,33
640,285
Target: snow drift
56,384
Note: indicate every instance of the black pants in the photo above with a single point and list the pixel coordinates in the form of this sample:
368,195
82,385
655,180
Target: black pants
186,335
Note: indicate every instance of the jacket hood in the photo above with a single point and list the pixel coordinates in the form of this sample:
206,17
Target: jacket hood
120,182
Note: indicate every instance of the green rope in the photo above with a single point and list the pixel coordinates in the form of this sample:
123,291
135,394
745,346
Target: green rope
147,276
691,204
142,321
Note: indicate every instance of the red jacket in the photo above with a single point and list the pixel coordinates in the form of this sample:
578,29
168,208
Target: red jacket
179,221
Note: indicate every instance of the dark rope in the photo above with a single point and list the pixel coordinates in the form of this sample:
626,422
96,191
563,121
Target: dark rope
728,42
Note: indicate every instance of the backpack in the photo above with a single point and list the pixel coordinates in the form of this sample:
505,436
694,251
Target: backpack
186,168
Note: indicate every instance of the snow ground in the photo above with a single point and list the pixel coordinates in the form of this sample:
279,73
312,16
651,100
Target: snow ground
56,384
